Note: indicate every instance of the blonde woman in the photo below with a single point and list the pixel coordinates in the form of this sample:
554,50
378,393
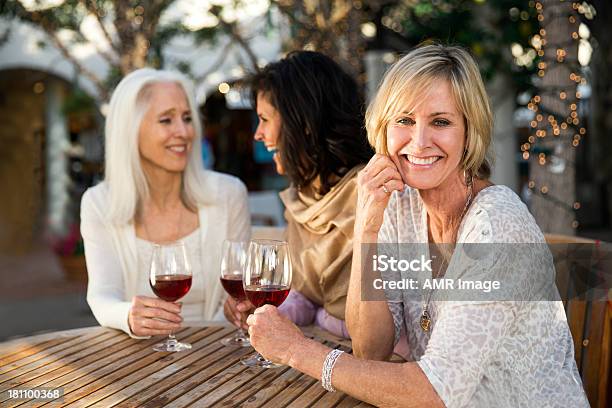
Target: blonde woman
430,123
156,191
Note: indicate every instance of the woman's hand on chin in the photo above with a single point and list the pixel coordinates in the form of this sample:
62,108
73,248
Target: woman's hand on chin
273,335
375,183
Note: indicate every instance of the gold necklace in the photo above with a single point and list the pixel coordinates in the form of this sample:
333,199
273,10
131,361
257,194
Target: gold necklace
425,320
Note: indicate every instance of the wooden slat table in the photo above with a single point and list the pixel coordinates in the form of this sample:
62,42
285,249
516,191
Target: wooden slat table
105,368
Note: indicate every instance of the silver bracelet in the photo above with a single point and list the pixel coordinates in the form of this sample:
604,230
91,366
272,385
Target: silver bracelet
328,367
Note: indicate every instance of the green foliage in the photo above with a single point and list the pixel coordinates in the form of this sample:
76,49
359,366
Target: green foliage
206,34
70,14
67,15
113,77
78,101
487,28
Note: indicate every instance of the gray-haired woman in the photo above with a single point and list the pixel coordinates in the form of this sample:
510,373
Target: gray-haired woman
156,191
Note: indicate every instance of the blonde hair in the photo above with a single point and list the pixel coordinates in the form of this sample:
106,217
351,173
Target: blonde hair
407,82
127,182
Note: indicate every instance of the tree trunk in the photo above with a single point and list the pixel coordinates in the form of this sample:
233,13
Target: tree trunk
332,28
552,160
600,127
505,145
136,26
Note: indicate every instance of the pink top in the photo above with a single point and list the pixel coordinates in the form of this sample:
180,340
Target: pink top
301,311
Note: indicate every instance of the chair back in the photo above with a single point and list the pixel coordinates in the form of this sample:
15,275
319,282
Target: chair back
589,321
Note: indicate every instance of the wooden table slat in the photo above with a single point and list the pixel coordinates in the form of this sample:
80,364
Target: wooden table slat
207,377
226,372
128,370
244,377
106,348
261,382
14,346
347,402
309,395
98,369
26,349
333,399
72,375
261,396
315,391
286,397
203,359
159,381
56,353
101,367
45,373
83,375
49,349
245,392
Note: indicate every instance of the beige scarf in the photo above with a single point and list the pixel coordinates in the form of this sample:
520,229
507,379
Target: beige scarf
320,234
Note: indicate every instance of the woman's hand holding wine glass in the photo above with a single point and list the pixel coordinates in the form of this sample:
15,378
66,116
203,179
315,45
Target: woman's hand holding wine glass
274,335
233,263
170,279
153,317
267,280
237,311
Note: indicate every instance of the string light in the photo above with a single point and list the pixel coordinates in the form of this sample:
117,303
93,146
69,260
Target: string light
544,191
554,124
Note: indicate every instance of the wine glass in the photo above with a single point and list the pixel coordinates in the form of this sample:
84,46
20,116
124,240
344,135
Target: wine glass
170,279
233,262
267,280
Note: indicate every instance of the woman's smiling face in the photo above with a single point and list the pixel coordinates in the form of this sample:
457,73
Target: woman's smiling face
427,144
269,128
166,131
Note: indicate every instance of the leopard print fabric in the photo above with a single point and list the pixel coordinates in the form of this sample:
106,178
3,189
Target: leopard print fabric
487,354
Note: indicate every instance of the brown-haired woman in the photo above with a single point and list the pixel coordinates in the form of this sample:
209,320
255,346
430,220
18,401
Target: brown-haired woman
311,116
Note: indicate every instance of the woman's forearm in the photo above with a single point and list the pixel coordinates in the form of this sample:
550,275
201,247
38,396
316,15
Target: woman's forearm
370,323
388,384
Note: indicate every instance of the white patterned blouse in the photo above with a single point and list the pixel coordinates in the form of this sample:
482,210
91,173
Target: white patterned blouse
486,353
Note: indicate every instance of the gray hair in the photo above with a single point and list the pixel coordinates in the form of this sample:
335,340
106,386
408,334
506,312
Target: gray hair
127,182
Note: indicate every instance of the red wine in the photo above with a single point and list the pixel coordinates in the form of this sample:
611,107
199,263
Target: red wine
267,295
171,287
233,286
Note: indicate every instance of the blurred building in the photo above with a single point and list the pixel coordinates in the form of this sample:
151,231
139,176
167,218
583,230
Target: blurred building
53,117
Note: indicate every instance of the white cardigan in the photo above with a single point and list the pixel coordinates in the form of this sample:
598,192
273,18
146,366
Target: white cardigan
110,250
